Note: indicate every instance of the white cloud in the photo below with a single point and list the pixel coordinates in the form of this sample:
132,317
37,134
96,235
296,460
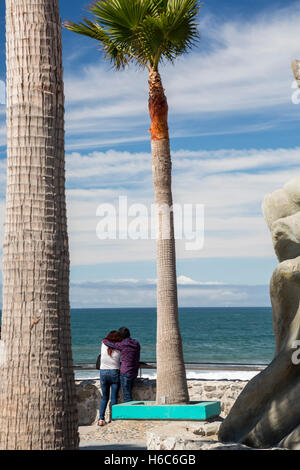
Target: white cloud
142,293
230,183
247,68
137,293
100,142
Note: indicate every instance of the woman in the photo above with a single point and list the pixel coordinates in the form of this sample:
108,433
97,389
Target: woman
109,374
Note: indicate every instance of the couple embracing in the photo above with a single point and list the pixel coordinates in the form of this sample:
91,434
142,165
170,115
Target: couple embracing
120,357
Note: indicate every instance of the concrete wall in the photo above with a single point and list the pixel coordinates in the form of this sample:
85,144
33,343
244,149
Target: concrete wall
89,395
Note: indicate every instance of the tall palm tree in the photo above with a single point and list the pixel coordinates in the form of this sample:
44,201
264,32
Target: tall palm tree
37,391
147,33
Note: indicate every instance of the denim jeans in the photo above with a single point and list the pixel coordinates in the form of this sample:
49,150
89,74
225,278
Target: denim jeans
126,384
109,383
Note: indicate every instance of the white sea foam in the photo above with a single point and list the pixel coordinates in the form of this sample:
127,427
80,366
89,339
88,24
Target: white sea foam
211,374
191,374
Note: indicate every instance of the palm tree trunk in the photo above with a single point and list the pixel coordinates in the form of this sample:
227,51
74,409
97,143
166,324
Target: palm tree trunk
171,376
37,391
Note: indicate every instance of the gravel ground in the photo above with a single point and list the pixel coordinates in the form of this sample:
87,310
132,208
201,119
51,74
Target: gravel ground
119,431
128,432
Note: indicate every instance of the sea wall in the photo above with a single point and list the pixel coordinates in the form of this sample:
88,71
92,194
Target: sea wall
89,395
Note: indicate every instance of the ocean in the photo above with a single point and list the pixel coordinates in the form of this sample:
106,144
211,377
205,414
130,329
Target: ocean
210,335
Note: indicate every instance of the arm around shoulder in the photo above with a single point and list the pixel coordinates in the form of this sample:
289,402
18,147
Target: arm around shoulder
118,346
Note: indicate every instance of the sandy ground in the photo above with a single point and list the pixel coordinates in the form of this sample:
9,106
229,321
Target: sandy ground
121,435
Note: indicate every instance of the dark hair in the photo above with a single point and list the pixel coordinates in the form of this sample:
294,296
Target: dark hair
124,332
114,337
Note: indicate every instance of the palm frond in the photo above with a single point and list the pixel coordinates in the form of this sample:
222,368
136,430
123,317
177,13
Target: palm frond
126,13
145,32
112,51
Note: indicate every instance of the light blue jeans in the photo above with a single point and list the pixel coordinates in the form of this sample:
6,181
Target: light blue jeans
110,384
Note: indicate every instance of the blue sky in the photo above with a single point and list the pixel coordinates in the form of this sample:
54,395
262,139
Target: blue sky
235,137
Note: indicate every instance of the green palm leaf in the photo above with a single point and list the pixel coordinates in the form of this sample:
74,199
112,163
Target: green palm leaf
145,32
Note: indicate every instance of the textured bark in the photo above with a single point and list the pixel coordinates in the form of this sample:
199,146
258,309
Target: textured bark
37,391
171,375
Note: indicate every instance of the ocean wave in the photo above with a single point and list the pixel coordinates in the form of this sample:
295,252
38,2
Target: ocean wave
191,374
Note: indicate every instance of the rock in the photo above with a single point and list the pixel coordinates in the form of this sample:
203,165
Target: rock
267,412
182,437
210,388
278,205
292,441
286,237
207,429
292,188
296,70
88,400
144,390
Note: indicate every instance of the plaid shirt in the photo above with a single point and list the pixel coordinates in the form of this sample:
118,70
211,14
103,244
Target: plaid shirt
130,355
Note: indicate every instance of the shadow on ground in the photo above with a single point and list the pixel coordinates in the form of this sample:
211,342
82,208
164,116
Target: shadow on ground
90,445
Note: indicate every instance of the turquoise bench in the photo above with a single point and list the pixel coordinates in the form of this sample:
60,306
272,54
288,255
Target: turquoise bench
195,410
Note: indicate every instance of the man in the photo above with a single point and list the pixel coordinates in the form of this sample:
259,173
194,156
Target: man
130,358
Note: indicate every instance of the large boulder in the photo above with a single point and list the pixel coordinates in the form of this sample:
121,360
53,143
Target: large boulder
267,412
